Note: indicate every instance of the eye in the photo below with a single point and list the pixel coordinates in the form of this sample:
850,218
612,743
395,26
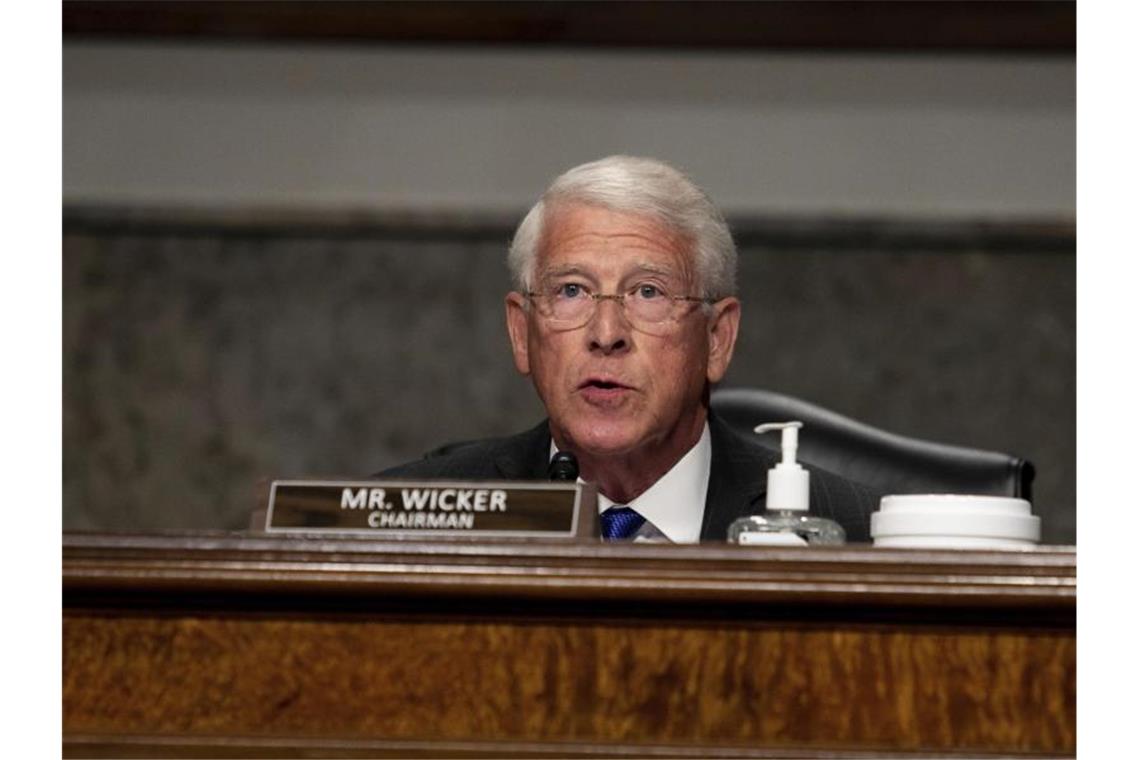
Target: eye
648,291
569,291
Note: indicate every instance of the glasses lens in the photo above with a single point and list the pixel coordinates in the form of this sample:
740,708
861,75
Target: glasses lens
568,306
648,304
571,310
564,304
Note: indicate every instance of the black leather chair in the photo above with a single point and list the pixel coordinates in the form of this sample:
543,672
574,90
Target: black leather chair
885,462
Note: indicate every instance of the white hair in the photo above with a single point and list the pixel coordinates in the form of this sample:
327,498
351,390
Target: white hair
642,186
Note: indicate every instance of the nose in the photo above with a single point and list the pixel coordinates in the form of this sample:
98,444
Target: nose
608,330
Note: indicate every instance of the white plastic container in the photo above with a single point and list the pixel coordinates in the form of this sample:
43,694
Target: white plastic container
955,521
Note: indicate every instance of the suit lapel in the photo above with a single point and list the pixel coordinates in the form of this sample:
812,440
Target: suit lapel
525,456
738,479
738,474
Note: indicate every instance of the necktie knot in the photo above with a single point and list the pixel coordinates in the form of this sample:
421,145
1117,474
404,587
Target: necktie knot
619,523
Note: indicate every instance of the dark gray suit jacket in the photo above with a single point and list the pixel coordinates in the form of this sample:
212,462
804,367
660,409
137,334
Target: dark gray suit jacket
738,479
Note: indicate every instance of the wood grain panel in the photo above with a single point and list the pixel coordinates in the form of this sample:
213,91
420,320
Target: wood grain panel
857,687
207,645
234,569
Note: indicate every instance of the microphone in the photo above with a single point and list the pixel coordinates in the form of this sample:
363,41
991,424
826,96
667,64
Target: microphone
564,466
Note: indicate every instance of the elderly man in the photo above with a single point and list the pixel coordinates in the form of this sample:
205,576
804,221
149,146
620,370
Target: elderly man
623,315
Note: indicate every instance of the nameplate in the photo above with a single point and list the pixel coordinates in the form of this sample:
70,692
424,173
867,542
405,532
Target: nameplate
427,509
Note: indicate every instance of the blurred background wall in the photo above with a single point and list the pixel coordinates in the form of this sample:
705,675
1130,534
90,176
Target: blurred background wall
283,251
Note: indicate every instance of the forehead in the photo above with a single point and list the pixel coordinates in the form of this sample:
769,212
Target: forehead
603,240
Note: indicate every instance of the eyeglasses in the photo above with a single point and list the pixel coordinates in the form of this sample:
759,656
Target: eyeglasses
648,307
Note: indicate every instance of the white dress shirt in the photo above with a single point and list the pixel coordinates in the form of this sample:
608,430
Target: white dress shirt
674,506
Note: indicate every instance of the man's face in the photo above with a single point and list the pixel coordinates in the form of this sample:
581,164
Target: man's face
610,388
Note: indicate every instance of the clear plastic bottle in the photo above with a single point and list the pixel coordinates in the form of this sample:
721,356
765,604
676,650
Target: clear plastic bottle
786,527
786,522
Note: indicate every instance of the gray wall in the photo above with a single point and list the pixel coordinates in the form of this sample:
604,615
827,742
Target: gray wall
477,129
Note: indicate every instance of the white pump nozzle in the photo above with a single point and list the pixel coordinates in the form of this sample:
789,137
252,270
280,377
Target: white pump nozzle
789,439
787,481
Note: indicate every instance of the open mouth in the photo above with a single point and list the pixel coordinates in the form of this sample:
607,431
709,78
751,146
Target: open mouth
602,384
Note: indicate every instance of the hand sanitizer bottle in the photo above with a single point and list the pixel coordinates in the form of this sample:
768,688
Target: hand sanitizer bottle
786,522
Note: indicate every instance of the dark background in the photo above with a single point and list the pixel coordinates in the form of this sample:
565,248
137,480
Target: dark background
198,361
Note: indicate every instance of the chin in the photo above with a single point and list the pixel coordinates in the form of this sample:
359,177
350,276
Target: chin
603,437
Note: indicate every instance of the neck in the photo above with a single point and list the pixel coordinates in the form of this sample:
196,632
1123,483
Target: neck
624,476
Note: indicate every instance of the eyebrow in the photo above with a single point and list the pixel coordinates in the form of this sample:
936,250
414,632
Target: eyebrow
562,271
641,268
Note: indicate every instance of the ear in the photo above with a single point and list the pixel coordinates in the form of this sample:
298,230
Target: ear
723,327
518,328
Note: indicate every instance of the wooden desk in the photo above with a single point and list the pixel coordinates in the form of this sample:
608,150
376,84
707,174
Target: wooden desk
244,646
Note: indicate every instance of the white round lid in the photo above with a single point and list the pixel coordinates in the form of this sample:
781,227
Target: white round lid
955,515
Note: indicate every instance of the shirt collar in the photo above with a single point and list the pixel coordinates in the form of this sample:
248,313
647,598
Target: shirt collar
675,504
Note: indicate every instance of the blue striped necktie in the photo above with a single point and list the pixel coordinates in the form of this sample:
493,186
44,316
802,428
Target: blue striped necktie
619,523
